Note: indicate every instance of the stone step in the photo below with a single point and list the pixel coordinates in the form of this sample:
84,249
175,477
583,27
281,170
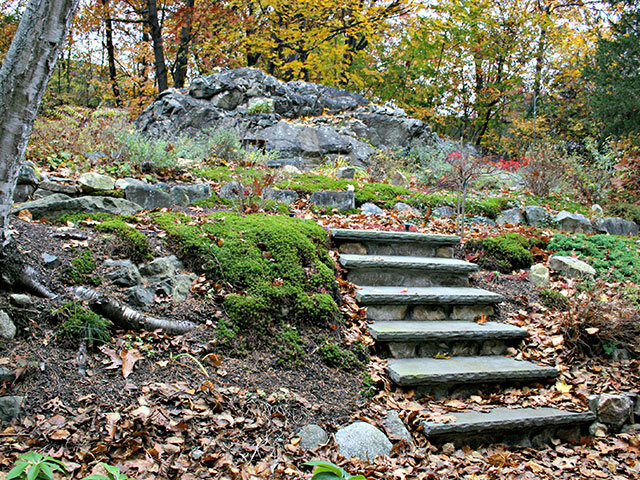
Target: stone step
378,242
459,370
386,270
515,425
407,331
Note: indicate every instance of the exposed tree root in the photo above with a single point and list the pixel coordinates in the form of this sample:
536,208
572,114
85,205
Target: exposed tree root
126,317
16,274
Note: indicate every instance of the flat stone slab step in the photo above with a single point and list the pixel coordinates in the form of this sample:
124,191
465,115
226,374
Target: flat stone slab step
367,295
448,330
380,262
344,234
458,370
505,419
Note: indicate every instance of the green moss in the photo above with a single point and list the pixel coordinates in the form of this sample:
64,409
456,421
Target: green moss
279,266
505,253
223,174
81,270
76,322
553,300
488,207
352,358
614,258
108,193
289,347
135,244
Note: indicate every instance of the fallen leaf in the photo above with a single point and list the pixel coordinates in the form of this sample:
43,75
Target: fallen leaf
129,359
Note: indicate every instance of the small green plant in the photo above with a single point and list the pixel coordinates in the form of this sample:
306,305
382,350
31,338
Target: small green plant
35,466
553,300
260,105
81,270
330,471
76,322
368,385
113,473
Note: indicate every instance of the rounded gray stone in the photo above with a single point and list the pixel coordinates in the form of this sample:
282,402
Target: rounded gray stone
95,182
362,440
512,216
7,327
573,222
536,216
396,428
614,410
21,300
571,267
371,209
10,408
312,436
539,275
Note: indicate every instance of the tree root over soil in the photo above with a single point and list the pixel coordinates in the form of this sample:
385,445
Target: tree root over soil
126,317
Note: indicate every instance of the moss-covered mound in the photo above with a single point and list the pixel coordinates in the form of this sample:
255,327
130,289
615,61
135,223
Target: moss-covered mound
505,253
614,258
278,266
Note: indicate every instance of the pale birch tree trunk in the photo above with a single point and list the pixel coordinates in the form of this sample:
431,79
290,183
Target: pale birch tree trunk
24,75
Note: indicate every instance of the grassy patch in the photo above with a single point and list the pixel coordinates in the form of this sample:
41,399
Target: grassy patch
76,322
505,253
614,258
279,266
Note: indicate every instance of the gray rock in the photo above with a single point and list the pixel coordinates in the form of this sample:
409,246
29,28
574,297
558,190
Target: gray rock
282,196
58,204
399,180
371,209
161,268
634,427
512,216
539,275
231,191
573,222
7,375
312,436
396,428
148,196
95,182
340,200
139,296
50,261
571,267
346,173
536,216
23,192
21,300
55,187
615,226
478,220
181,287
123,183
614,410
122,272
184,195
291,169
10,408
27,175
363,441
597,429
403,207
7,328
443,211
305,140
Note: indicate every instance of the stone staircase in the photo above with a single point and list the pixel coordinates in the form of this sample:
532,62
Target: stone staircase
425,318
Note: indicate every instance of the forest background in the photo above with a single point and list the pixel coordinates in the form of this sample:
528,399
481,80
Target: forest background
511,76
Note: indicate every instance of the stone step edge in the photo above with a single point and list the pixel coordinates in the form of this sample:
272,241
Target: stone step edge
345,234
372,295
437,264
531,372
443,330
504,419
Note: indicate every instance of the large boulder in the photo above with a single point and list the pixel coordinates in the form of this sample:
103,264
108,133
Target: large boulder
303,120
165,196
536,216
95,182
56,205
573,222
615,226
512,216
283,196
340,200
362,440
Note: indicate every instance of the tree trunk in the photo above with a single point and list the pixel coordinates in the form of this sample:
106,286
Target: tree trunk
182,57
111,56
158,49
24,75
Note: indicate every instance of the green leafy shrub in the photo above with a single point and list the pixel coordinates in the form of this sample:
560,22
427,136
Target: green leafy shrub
76,322
113,473
264,105
505,253
553,300
279,266
628,211
81,270
330,471
614,258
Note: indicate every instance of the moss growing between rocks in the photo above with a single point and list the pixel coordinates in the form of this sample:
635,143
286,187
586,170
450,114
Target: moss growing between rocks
614,258
81,270
279,266
553,300
505,253
351,358
489,207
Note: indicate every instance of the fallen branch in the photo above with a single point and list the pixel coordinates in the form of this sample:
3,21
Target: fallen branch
126,317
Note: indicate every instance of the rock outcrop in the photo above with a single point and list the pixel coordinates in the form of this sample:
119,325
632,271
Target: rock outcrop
302,121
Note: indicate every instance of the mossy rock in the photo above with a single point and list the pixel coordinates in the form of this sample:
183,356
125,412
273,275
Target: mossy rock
278,266
505,253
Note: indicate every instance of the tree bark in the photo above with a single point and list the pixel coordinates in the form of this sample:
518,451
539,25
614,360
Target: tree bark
111,55
182,57
158,49
24,75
